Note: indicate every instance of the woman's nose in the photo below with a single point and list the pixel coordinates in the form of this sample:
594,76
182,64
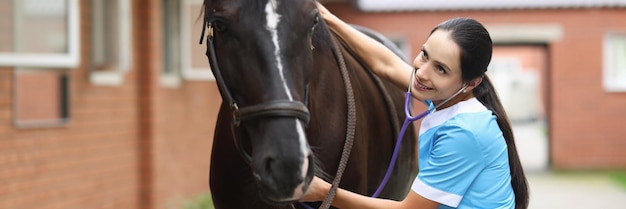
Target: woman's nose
421,72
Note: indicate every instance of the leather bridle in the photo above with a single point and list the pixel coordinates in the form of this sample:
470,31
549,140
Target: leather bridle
273,108
284,108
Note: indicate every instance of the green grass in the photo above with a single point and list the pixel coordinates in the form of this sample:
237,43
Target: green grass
616,176
619,177
202,201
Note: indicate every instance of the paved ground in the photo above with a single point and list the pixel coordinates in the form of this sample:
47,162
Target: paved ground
552,191
581,191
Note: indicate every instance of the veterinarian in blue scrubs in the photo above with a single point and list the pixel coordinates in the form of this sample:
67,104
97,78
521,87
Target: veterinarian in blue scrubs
467,154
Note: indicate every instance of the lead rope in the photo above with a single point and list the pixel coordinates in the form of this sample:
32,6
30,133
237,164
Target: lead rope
393,119
350,129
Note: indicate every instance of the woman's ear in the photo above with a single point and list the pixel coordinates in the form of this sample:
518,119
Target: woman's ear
473,84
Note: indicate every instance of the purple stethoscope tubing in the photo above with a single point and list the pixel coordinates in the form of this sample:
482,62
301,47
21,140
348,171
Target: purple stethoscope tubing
407,121
396,149
409,118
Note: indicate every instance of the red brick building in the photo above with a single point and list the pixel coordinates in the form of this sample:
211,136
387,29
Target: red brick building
110,103
577,48
102,105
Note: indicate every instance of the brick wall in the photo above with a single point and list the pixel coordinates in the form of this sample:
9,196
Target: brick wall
181,121
586,124
588,128
138,145
88,163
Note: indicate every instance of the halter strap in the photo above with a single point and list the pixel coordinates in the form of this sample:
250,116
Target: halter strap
275,108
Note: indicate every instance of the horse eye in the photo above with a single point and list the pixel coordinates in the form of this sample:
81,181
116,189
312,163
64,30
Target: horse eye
316,19
219,25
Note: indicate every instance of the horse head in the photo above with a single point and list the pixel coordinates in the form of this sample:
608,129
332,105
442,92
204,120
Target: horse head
261,53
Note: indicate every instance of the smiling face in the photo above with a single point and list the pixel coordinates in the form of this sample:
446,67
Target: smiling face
438,74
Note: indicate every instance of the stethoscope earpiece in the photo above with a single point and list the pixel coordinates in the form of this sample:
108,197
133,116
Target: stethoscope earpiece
407,102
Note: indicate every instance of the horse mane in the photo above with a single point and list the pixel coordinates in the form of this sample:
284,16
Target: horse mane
322,35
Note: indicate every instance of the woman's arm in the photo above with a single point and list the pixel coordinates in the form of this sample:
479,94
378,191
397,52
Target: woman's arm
375,55
345,199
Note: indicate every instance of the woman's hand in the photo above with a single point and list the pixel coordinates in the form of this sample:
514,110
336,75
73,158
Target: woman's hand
318,189
324,13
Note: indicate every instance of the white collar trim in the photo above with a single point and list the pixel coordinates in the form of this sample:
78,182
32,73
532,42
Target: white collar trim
439,117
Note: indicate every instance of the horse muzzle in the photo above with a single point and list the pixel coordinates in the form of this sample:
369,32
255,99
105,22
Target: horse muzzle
283,180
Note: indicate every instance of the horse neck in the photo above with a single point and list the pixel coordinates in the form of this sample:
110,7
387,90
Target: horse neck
327,90
325,59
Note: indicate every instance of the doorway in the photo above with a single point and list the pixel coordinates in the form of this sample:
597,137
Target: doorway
519,74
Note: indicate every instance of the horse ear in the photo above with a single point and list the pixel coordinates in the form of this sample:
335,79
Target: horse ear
204,25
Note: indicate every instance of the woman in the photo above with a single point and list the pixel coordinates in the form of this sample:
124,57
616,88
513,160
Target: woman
467,155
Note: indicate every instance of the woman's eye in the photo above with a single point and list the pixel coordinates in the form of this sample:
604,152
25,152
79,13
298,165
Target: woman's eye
440,69
424,55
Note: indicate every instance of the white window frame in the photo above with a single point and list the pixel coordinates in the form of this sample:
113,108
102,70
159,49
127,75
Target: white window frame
613,63
185,70
190,73
170,79
69,59
115,76
525,33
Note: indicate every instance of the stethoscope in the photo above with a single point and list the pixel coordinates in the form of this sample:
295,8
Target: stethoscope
409,118
407,102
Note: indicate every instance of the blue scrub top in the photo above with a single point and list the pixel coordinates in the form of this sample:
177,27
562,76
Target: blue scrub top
463,159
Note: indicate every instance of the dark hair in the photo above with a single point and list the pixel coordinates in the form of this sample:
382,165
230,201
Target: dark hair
476,49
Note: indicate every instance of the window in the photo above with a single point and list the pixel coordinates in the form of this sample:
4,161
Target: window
41,98
403,45
183,56
614,78
111,47
195,63
39,33
171,43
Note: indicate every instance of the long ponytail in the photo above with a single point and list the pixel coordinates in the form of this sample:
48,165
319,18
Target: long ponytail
486,94
476,50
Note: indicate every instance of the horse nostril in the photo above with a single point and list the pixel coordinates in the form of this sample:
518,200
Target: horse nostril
277,170
268,165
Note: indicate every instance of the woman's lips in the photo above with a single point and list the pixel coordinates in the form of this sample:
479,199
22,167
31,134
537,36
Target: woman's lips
421,87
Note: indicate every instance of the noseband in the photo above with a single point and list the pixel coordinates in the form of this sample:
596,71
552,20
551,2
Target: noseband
271,109
283,108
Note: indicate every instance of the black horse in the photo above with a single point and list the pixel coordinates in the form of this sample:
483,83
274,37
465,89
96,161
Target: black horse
292,96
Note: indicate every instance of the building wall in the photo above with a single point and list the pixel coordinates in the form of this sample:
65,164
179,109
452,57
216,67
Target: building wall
146,145
585,122
182,123
90,162
137,145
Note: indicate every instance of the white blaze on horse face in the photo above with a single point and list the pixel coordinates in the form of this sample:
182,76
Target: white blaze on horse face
298,192
273,19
